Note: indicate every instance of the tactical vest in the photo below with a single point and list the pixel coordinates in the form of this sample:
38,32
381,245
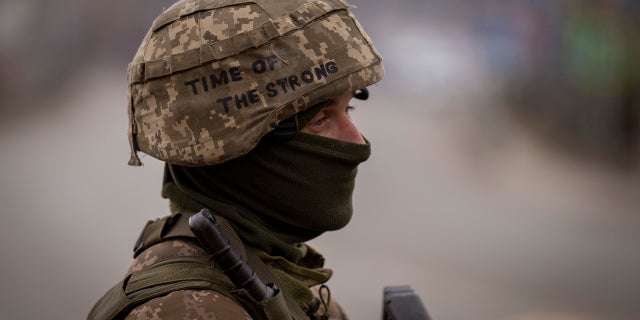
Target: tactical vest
190,273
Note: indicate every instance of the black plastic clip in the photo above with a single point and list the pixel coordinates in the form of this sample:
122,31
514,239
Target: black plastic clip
361,94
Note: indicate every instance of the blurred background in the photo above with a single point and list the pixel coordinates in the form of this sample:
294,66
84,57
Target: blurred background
504,183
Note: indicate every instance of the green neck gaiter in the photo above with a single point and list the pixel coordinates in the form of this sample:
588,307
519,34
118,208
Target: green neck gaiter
279,194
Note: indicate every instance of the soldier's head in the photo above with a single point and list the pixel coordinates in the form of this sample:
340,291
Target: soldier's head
212,78
246,102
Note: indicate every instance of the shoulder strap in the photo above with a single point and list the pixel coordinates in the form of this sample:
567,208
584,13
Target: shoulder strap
177,226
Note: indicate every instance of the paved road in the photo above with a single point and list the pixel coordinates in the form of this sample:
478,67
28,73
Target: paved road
483,221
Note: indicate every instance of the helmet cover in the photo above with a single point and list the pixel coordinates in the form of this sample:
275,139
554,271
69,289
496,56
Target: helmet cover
212,77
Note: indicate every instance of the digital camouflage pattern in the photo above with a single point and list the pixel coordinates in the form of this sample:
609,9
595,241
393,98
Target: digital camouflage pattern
194,304
190,304
212,77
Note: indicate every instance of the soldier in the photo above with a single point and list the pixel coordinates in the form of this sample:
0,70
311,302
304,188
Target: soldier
247,104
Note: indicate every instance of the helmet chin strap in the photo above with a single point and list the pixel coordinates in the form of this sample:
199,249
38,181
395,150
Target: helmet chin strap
285,130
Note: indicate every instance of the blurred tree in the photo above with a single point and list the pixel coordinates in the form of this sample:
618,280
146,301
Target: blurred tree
584,91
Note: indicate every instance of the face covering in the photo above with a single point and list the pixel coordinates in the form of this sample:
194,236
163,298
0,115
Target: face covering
278,195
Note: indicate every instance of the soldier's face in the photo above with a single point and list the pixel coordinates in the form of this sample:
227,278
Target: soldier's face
333,121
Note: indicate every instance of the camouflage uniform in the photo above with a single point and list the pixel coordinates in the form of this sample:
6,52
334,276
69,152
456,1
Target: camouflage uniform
196,304
212,78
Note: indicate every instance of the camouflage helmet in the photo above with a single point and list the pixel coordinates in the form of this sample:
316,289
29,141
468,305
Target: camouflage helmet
212,77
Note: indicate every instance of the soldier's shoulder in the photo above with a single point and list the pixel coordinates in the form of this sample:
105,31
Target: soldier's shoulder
182,303
191,304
